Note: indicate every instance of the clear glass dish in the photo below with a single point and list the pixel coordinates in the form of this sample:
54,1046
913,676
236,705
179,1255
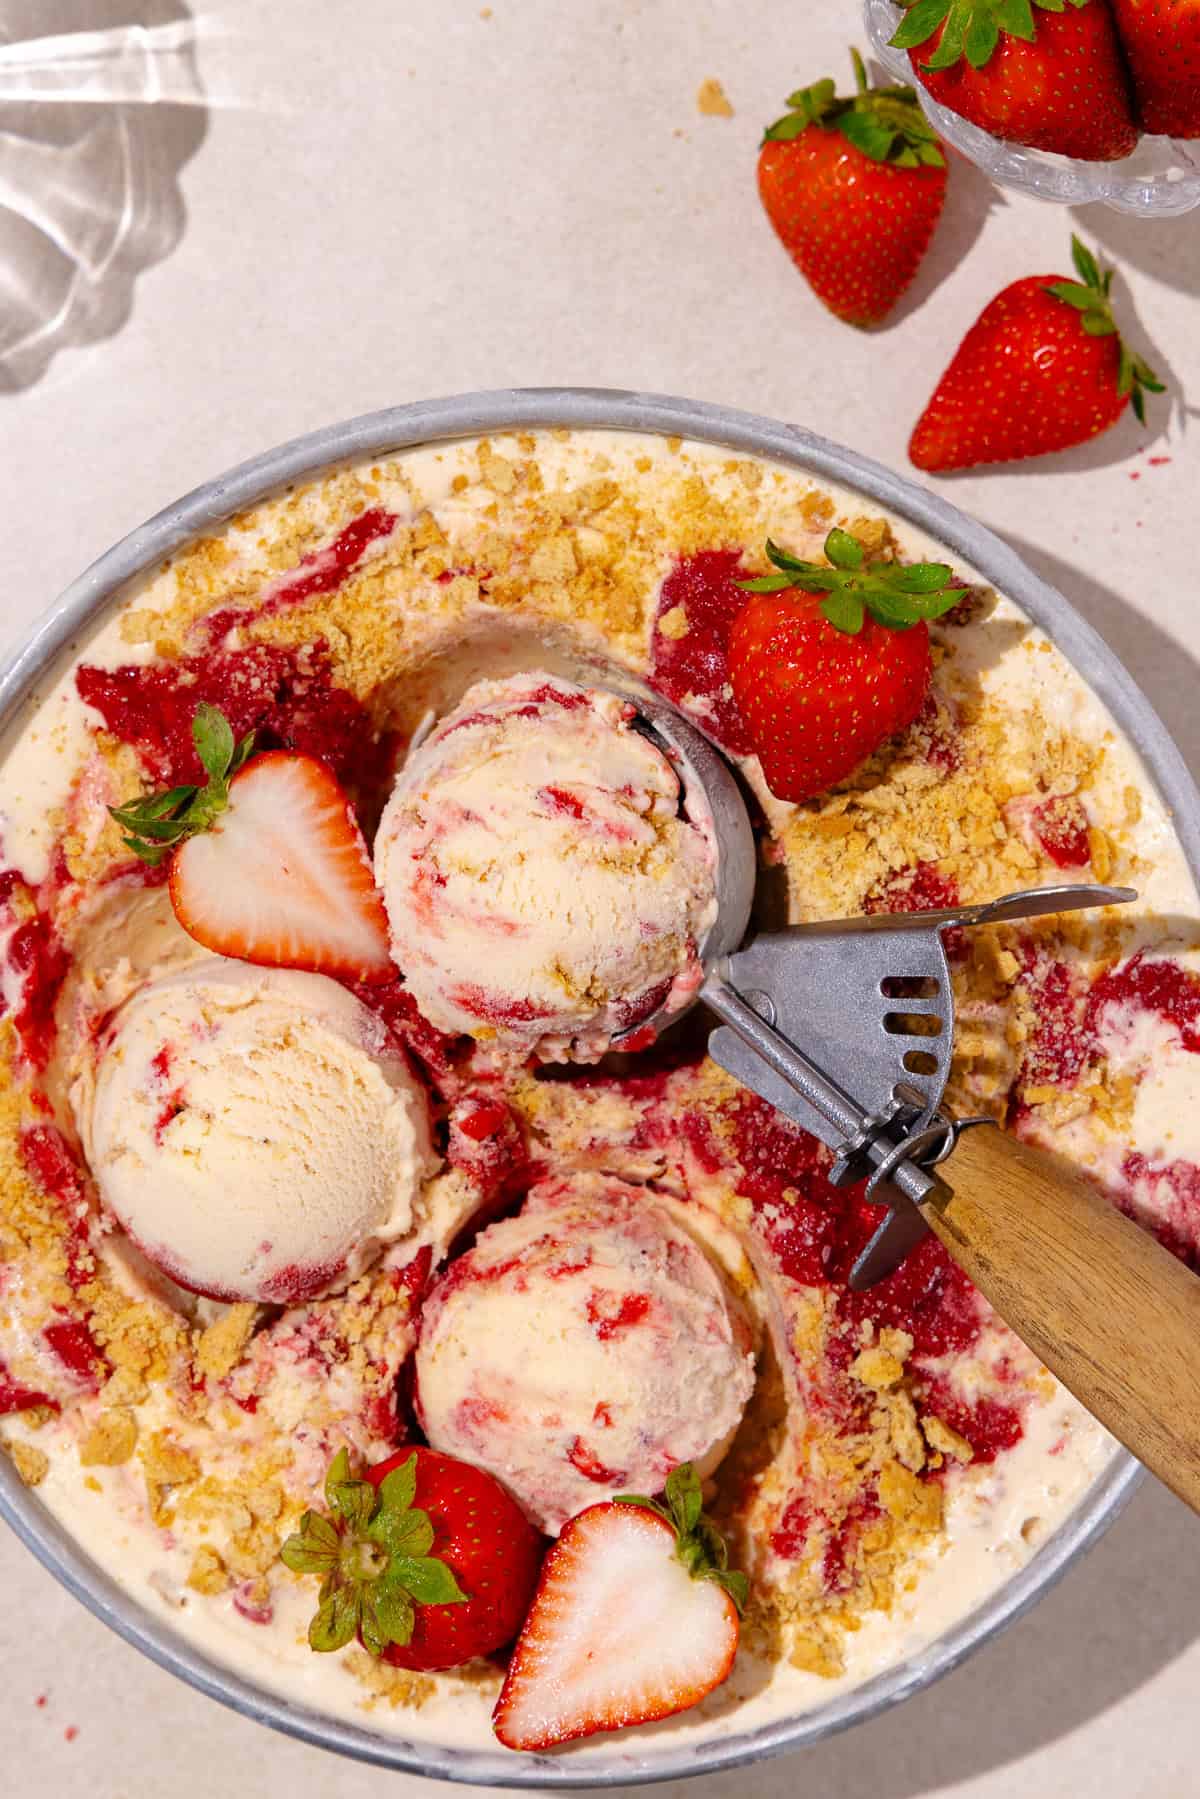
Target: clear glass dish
1161,180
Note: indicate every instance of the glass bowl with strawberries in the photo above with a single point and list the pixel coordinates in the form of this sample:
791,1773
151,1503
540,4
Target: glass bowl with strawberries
1121,129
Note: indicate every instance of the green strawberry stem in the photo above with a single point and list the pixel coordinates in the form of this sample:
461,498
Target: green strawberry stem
1091,296
373,1556
885,123
699,1545
894,594
973,27
155,823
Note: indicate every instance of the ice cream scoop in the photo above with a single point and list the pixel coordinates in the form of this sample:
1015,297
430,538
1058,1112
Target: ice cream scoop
587,1346
848,1028
252,1130
547,881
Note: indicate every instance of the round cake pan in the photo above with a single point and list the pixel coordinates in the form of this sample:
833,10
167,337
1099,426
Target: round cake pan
619,1760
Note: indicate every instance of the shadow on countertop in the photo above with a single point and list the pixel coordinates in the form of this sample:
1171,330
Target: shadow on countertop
89,174
1168,249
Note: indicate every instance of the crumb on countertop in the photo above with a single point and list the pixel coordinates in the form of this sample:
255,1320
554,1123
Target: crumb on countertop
712,100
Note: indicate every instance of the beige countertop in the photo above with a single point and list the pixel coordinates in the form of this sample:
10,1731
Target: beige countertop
404,198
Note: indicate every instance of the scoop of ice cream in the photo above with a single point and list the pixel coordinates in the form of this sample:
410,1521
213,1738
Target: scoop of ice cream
252,1131
584,1348
544,884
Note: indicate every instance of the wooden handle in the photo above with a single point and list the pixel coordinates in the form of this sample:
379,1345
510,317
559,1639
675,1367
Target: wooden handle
1105,1307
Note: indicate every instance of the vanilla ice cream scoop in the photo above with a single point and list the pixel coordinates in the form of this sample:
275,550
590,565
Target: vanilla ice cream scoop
252,1131
583,1348
545,885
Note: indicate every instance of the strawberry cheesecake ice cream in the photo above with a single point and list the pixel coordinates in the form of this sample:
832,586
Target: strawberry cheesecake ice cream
252,1130
435,1224
545,884
586,1347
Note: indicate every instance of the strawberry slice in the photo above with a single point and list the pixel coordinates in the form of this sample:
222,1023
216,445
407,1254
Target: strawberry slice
267,862
635,1618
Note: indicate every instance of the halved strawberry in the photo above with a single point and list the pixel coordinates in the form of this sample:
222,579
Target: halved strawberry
267,862
635,1618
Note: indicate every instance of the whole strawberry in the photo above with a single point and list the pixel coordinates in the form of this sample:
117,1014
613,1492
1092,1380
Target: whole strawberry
855,189
1042,369
1047,73
1161,39
425,1559
827,663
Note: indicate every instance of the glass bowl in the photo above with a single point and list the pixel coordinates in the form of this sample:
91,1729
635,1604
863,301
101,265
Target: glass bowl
1161,180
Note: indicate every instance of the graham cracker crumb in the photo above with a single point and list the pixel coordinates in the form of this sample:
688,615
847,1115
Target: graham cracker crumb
910,1501
877,1369
395,1687
496,471
712,100
111,1440
166,1465
221,1346
31,1463
945,1441
673,624
207,1573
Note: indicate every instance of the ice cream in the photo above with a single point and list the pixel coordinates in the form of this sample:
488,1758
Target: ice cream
584,1348
251,1131
903,1456
544,884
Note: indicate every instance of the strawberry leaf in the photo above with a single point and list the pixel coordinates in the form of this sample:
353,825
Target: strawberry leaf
1091,297
920,21
1016,17
1085,263
868,134
213,738
971,28
895,595
373,1556
843,550
370,1625
766,584
394,1611
429,1580
155,823
1082,298
336,1621
884,123
983,35
954,37
399,1488
401,1531
314,1548
684,1498
844,611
